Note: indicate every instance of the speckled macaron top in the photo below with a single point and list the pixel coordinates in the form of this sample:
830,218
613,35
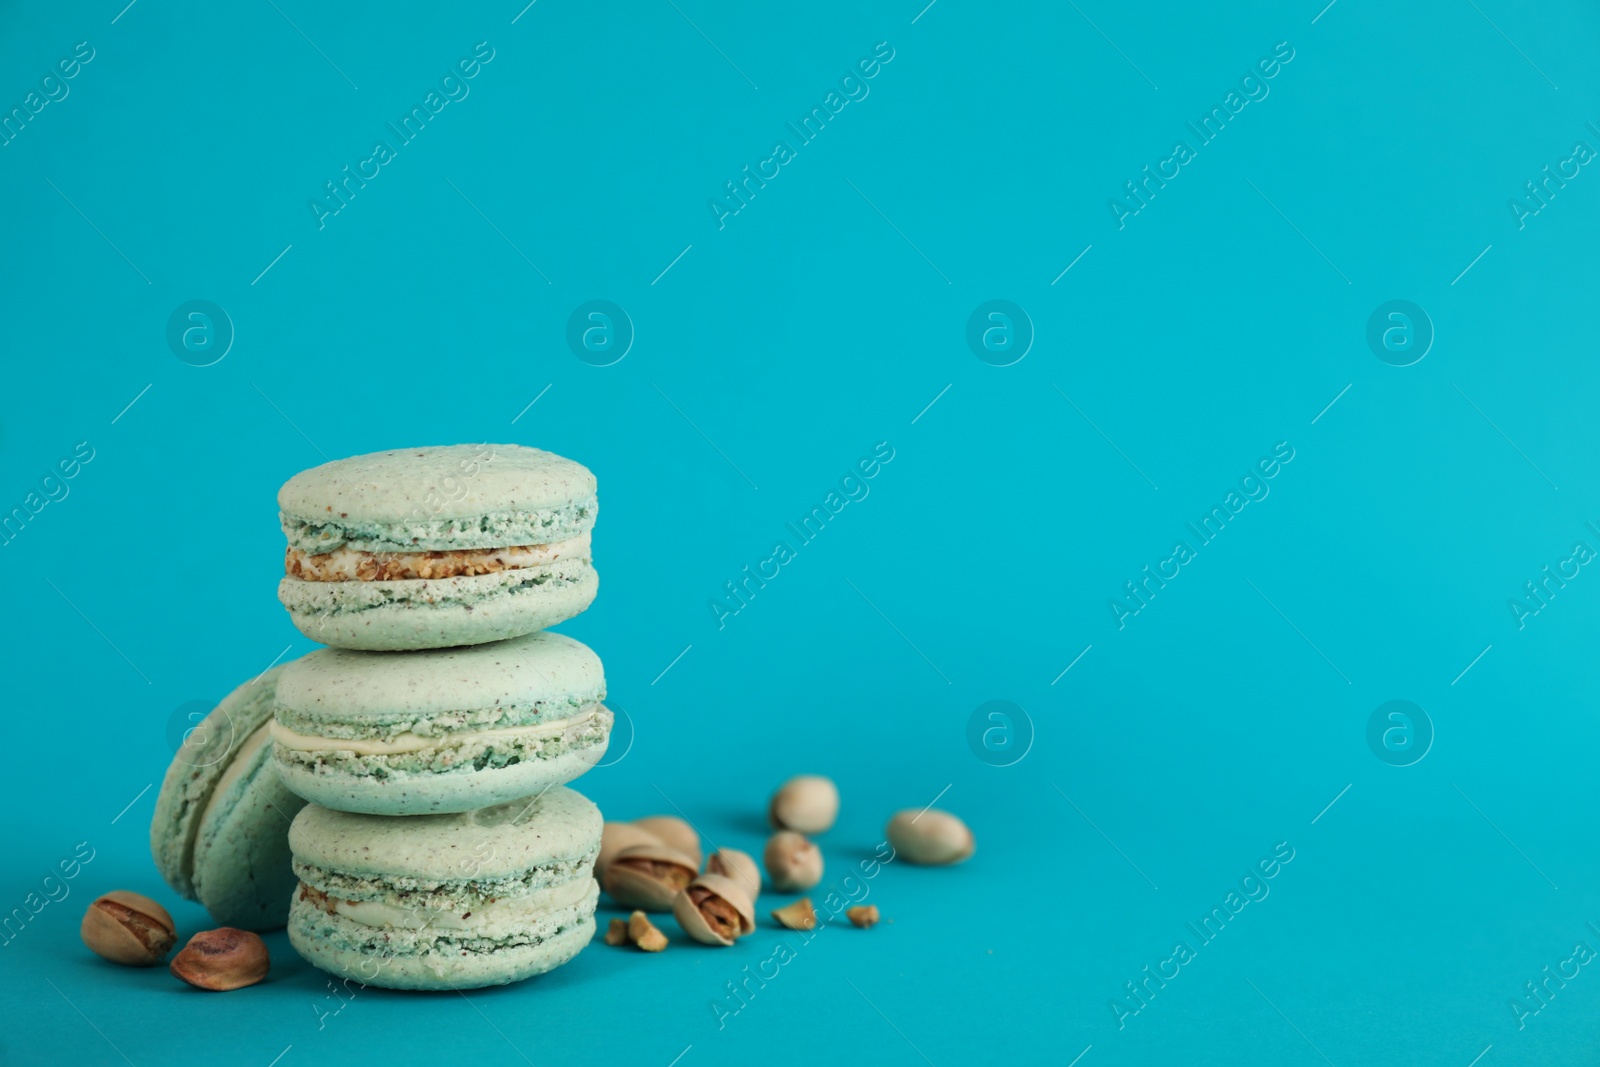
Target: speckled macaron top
524,681
558,830
438,498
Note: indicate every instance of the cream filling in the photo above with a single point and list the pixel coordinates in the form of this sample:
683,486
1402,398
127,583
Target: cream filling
517,911
410,742
346,564
243,758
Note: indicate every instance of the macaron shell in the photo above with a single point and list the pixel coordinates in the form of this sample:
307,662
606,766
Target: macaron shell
191,778
558,826
419,613
353,687
318,937
433,482
242,870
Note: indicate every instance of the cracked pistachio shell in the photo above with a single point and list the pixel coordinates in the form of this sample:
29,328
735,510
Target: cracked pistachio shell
807,803
634,879
128,928
615,837
693,920
793,863
673,831
740,866
931,837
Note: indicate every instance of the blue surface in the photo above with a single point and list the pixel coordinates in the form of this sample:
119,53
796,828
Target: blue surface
1226,318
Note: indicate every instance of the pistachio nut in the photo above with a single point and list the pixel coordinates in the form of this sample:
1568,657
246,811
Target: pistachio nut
616,836
715,910
930,837
797,916
862,916
673,831
642,932
648,877
808,803
128,928
223,959
617,932
740,866
793,863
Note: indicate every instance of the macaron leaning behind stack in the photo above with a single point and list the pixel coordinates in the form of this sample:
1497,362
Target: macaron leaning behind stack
441,730
434,547
456,901
220,834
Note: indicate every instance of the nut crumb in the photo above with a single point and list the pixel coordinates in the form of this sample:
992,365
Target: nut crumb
617,934
642,932
797,916
863,916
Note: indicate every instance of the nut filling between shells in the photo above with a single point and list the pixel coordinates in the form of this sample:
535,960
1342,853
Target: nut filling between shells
345,564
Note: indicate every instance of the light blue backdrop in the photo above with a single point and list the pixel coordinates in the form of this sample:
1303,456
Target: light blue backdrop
1174,354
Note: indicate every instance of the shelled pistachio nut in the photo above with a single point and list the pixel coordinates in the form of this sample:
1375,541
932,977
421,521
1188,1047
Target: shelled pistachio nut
648,877
715,910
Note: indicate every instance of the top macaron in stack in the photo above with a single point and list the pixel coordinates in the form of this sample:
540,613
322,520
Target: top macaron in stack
434,547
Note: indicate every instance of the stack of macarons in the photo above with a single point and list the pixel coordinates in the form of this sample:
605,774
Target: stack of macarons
427,749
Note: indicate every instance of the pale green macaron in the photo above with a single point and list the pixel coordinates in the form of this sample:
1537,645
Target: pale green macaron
220,834
455,901
440,730
439,546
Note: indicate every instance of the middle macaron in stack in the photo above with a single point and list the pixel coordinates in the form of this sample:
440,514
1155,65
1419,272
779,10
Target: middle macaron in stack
444,730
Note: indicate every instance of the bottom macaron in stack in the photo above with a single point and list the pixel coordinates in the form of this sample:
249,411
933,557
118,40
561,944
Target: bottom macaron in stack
456,901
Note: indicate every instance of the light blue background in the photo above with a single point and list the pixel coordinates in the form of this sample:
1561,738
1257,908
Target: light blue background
1220,321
